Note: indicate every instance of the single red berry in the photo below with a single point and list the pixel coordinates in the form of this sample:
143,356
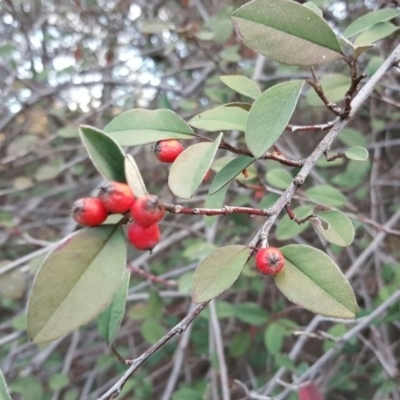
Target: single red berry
143,237
147,210
89,211
168,150
117,197
269,260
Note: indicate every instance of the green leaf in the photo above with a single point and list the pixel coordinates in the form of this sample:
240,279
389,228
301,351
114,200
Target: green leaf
239,344
242,85
68,132
366,21
313,7
109,321
351,137
230,54
106,155
217,272
326,195
58,381
223,308
251,313
134,177
279,178
270,114
229,172
312,280
375,33
335,227
357,153
139,126
76,281
287,32
215,200
4,393
189,169
29,387
288,229
152,331
334,87
273,337
221,119
222,29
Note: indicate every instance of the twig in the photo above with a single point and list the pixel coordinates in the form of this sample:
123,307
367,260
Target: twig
150,277
135,364
226,210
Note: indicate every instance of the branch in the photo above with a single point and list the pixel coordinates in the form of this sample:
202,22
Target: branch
226,210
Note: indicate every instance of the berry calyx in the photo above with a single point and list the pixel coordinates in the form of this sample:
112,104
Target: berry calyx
117,197
147,210
269,260
168,150
143,237
89,211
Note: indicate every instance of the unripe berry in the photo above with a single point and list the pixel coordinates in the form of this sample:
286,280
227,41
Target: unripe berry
89,211
147,210
143,237
168,150
117,197
269,260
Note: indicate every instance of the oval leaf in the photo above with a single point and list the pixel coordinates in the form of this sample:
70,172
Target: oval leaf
326,195
217,272
76,281
221,119
270,114
109,321
335,227
286,32
229,172
134,177
367,20
139,126
105,153
242,85
334,87
279,178
312,280
4,393
288,229
375,33
190,167
357,153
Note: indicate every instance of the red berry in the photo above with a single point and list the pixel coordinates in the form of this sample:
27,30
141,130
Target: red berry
269,260
89,211
117,197
143,237
147,210
168,150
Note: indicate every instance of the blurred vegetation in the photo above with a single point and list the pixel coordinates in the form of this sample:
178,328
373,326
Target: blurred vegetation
63,64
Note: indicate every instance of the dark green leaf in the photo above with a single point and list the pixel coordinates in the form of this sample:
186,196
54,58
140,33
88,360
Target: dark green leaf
109,321
251,313
242,85
312,280
105,153
273,337
229,172
217,272
239,344
191,166
270,114
286,32
76,282
288,229
140,126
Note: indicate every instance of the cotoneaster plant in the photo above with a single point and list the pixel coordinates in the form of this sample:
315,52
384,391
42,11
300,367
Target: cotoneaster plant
147,210
269,260
168,150
89,211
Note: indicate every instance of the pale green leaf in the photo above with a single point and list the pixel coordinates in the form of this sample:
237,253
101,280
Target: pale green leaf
217,272
357,153
189,169
288,229
134,177
312,280
270,114
140,126
251,313
242,85
334,87
335,227
279,178
221,119
326,195
352,137
287,32
313,7
77,281
375,33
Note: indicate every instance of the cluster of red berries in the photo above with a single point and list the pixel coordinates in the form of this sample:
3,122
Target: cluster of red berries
269,260
118,198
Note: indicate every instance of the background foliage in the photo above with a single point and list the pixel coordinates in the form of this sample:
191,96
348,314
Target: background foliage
63,64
